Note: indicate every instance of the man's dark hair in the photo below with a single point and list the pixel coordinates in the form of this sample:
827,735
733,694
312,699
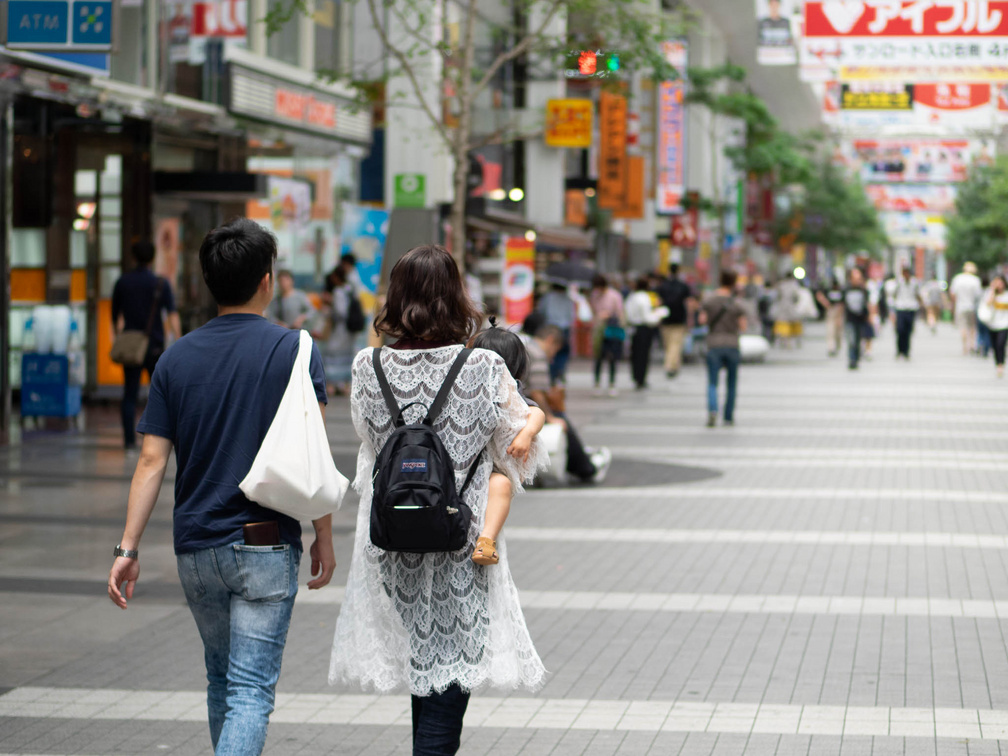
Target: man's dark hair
674,270
508,345
348,259
427,300
728,279
643,283
143,252
234,258
549,331
533,322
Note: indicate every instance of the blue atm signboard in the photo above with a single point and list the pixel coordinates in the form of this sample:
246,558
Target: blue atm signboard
60,25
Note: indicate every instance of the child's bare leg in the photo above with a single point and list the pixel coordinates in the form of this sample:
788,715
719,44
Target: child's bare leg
498,506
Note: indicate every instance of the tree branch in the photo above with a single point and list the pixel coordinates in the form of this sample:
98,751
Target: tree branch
520,49
409,72
502,136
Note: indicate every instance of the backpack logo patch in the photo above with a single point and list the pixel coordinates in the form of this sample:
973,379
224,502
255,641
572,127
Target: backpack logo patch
414,466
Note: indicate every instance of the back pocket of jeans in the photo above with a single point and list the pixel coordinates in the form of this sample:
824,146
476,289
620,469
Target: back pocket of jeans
264,571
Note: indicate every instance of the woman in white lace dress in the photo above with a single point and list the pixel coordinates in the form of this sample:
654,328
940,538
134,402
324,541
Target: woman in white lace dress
436,624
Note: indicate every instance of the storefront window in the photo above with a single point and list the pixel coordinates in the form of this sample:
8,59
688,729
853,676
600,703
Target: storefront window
285,43
327,36
128,62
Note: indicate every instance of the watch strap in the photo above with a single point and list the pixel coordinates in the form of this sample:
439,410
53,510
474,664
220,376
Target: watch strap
119,551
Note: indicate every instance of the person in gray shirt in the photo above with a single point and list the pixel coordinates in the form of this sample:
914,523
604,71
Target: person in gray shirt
292,308
725,319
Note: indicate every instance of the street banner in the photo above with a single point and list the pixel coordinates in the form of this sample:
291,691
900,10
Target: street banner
914,229
924,74
938,33
612,151
872,105
519,279
916,161
877,96
774,41
364,231
569,123
671,157
932,198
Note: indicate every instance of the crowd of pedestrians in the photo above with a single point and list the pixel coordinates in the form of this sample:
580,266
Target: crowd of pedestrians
441,616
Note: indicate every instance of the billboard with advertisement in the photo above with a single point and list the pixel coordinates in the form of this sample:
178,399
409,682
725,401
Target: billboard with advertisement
671,154
774,39
937,33
932,198
919,161
876,104
518,284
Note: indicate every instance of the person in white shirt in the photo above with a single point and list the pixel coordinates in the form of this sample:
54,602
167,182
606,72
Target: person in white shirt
642,316
907,302
996,303
965,291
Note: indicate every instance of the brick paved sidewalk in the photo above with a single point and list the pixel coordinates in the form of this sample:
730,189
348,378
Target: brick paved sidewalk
828,576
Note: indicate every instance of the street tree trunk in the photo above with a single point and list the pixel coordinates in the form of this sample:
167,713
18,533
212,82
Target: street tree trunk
460,138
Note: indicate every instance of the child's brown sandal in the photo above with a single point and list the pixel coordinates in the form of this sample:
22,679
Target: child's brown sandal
486,551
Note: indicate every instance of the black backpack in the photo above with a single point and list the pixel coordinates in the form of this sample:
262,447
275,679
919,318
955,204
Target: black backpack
355,321
416,506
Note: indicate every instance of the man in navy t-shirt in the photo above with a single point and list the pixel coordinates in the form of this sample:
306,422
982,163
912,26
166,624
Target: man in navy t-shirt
213,396
138,300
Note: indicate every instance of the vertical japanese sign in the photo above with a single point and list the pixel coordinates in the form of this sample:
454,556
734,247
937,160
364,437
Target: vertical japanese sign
519,279
671,157
612,151
632,207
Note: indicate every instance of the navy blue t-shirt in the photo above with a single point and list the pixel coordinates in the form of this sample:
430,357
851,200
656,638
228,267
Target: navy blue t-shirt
133,296
214,394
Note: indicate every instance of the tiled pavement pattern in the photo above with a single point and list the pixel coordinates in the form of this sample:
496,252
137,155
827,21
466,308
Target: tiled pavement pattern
827,577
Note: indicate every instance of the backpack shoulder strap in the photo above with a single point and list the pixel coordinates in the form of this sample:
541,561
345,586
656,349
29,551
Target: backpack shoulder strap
446,387
390,400
472,473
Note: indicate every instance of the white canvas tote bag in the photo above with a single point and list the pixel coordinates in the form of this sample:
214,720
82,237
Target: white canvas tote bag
293,471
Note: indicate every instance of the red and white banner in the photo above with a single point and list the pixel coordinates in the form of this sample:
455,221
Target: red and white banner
875,104
933,198
905,32
220,18
918,161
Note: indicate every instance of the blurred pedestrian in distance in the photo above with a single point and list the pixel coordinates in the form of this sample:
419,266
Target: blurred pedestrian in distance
558,309
832,301
906,303
725,319
786,315
608,331
213,397
140,300
473,285
642,317
291,308
436,624
348,262
338,340
965,292
858,311
934,297
996,301
678,298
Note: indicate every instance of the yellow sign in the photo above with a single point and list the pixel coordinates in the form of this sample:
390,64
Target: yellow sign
569,123
924,74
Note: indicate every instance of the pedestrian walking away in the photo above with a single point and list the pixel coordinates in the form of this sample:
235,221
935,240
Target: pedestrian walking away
906,303
608,332
642,317
438,623
677,296
858,311
558,309
237,561
832,301
140,299
725,319
994,312
965,292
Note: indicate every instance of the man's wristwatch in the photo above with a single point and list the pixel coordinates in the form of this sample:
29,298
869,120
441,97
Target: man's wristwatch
119,551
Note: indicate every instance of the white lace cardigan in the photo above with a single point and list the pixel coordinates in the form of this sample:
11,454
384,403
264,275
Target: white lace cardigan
425,621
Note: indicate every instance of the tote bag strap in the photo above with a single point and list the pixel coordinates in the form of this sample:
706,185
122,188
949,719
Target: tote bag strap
154,307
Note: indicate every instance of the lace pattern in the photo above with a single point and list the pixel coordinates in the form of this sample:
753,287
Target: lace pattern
426,621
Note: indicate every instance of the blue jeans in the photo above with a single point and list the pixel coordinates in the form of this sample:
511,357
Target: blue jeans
437,722
131,390
241,598
728,358
558,365
854,332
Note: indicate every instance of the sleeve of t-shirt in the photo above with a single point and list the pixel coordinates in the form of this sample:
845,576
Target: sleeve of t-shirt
317,373
157,420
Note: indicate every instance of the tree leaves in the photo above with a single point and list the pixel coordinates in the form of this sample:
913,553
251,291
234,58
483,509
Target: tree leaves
978,230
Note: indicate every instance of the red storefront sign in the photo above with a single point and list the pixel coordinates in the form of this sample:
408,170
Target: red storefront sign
906,18
304,107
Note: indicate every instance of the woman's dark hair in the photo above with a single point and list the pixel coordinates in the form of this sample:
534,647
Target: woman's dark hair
427,300
599,281
508,345
334,279
234,258
728,279
643,284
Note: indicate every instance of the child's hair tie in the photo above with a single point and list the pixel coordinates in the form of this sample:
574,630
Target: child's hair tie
493,321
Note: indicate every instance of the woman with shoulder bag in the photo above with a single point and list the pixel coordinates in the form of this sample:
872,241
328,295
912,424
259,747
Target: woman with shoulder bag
608,332
436,623
993,312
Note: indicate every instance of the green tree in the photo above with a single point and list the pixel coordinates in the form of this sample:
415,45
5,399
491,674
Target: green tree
978,229
832,211
632,28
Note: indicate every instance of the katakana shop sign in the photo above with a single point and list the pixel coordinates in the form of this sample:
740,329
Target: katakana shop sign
877,96
671,156
612,162
906,32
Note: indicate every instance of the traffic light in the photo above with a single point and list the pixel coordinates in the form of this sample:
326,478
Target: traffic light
612,63
587,63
